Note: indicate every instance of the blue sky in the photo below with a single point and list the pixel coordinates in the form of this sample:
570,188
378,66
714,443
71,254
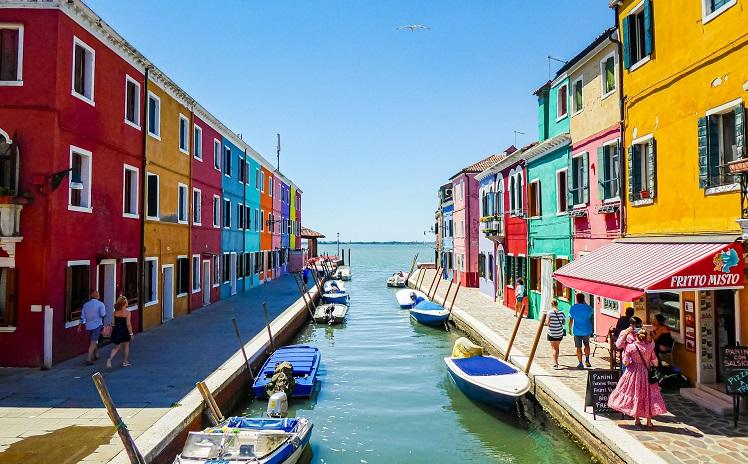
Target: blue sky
373,119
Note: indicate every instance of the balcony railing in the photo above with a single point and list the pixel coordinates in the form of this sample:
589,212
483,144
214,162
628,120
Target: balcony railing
493,228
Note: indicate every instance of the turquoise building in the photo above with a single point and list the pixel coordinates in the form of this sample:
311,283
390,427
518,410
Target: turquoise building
252,231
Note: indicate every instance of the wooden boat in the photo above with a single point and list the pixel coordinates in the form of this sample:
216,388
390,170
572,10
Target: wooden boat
243,439
335,297
329,288
488,379
405,299
398,279
305,361
429,313
330,313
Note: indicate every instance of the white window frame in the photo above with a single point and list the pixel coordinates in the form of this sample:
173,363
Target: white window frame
217,211
197,207
226,213
217,154
227,150
573,96
644,60
152,96
216,271
271,186
88,48
136,112
262,181
641,141
559,117
183,204
19,72
720,110
257,179
158,197
603,94
89,179
706,16
580,163
617,142
186,148
240,219
134,190
176,274
197,145
124,261
537,199
560,193
195,274
80,262
154,281
262,220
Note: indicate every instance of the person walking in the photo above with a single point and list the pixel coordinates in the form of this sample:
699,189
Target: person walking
634,395
580,325
121,333
519,293
305,275
556,331
92,318
623,322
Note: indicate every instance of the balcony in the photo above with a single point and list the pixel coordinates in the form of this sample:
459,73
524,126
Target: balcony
11,202
493,227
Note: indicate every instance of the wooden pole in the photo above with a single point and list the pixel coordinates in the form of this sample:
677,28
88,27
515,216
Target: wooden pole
412,266
422,272
214,411
316,280
299,285
454,297
514,335
132,450
535,342
444,303
436,276
267,324
438,281
349,257
244,352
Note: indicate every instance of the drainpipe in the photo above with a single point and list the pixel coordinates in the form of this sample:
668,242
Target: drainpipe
191,195
621,109
141,276
244,231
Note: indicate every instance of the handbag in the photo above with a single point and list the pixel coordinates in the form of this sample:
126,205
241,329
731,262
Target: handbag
653,374
106,331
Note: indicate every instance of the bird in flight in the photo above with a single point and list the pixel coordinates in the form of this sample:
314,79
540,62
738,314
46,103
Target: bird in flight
413,27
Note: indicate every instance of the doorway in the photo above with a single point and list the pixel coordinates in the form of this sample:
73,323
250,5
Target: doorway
500,276
167,309
232,272
724,325
546,284
206,282
106,285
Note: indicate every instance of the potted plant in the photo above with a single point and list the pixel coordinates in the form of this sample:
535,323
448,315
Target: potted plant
644,194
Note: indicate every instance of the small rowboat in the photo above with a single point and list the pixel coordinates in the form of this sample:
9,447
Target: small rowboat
335,297
243,439
330,288
330,313
404,297
305,361
429,313
488,379
398,279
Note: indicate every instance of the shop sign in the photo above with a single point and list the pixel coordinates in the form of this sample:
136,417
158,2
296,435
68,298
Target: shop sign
720,270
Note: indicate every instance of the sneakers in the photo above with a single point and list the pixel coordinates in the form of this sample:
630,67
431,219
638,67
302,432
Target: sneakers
587,363
580,366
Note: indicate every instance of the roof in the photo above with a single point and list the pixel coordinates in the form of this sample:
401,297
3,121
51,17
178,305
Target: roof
547,146
505,161
309,233
486,162
579,56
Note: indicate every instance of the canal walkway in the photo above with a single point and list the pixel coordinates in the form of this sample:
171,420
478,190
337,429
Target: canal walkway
688,434
57,416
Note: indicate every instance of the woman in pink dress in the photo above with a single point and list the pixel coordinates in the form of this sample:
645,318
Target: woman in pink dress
634,395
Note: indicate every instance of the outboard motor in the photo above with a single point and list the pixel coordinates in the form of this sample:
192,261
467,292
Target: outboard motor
278,405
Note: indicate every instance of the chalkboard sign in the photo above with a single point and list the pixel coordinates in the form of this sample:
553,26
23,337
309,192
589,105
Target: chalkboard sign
735,368
600,384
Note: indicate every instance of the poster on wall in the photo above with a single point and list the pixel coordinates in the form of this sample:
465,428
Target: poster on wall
707,330
689,338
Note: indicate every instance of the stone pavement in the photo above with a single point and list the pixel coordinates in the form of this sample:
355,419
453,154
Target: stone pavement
688,434
56,416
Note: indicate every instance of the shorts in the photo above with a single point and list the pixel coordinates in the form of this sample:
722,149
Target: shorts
554,339
579,339
95,333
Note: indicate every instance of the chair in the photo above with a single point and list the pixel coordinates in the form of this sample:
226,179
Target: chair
600,341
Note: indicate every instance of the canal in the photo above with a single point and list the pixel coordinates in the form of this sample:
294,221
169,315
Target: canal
385,394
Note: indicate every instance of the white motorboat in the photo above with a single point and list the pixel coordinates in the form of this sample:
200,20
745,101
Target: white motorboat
408,298
332,313
342,273
329,286
398,279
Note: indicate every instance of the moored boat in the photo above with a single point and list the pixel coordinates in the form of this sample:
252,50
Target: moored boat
334,286
344,273
398,280
335,297
406,298
305,361
330,313
429,313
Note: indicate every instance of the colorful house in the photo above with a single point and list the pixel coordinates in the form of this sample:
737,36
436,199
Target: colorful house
446,231
266,236
233,214
252,255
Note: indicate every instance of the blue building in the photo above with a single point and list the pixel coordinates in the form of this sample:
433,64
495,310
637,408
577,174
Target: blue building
251,245
233,219
447,231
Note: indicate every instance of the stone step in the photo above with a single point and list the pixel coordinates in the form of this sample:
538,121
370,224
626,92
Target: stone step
708,400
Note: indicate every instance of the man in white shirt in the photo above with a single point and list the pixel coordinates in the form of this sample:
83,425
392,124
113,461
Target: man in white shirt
92,317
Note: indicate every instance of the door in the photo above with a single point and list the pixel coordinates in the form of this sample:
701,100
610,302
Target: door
724,326
206,282
106,284
251,270
167,309
500,276
546,284
233,273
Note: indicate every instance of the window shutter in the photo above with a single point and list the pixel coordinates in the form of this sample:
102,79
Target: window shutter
570,185
586,179
630,172
68,292
713,151
601,173
651,168
740,131
626,43
648,30
703,135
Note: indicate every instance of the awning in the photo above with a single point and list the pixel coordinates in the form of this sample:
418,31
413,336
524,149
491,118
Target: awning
624,271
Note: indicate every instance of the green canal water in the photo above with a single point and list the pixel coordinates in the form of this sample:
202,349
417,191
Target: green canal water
385,395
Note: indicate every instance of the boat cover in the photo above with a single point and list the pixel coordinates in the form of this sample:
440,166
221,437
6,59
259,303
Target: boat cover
286,425
429,306
482,366
464,348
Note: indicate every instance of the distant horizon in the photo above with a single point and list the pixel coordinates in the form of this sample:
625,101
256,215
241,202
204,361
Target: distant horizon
377,242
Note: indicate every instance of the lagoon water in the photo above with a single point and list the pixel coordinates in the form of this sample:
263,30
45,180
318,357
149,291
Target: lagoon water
385,395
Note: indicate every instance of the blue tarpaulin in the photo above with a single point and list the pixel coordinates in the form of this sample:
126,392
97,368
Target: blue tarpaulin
429,306
287,425
483,365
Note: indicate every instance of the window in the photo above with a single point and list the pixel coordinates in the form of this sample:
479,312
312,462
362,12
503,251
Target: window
195,273
490,268
78,288
482,265
609,171
226,213
239,216
226,274
8,297
227,161
240,265
713,8
80,180
562,187
217,154
257,179
667,304
262,221
559,290
130,280
130,192
262,181
197,207
197,142
637,35
534,199
216,271
84,62
216,211
241,170
642,160
152,199
257,219
535,272
150,284
183,206
721,141
154,116
184,125
132,102
608,75
11,54
270,186
578,100
580,184
247,217
562,101
247,264
183,275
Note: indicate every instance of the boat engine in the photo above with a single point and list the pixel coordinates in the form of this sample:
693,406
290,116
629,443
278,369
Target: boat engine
277,405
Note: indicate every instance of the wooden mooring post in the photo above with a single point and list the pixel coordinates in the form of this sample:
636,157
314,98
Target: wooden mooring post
433,281
511,339
536,341
244,352
214,412
412,267
127,441
267,324
438,281
444,303
422,275
454,297
300,284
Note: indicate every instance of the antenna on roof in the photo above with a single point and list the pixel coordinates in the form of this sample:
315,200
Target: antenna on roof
278,152
549,64
515,137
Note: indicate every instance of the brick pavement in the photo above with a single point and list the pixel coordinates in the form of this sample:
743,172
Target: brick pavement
688,434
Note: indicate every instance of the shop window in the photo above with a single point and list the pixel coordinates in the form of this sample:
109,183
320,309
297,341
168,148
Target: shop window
183,275
217,154
562,101
197,142
535,273
559,289
216,271
721,141
78,288
642,168
562,188
80,180
667,304
130,281
609,171
154,116
195,273
183,206
132,102
608,75
578,96
638,35
150,285
84,59
579,190
152,205
11,54
8,307
533,198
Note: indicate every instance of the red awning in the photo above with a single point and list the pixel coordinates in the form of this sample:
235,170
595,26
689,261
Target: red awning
625,270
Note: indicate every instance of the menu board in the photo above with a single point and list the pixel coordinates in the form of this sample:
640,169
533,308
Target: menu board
707,330
689,321
735,367
600,384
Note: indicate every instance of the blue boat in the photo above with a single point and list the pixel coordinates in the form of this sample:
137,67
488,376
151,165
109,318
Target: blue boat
337,297
429,313
243,439
488,379
305,361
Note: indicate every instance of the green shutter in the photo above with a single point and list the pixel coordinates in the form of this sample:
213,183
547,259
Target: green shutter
652,168
713,152
630,172
570,184
648,28
586,178
703,136
740,131
602,171
626,43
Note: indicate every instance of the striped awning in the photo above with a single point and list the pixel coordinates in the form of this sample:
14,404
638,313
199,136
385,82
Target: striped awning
624,271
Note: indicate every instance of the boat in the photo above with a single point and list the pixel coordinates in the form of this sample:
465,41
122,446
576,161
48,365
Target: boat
405,299
305,361
328,286
330,313
429,313
483,378
344,273
335,297
398,279
243,439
